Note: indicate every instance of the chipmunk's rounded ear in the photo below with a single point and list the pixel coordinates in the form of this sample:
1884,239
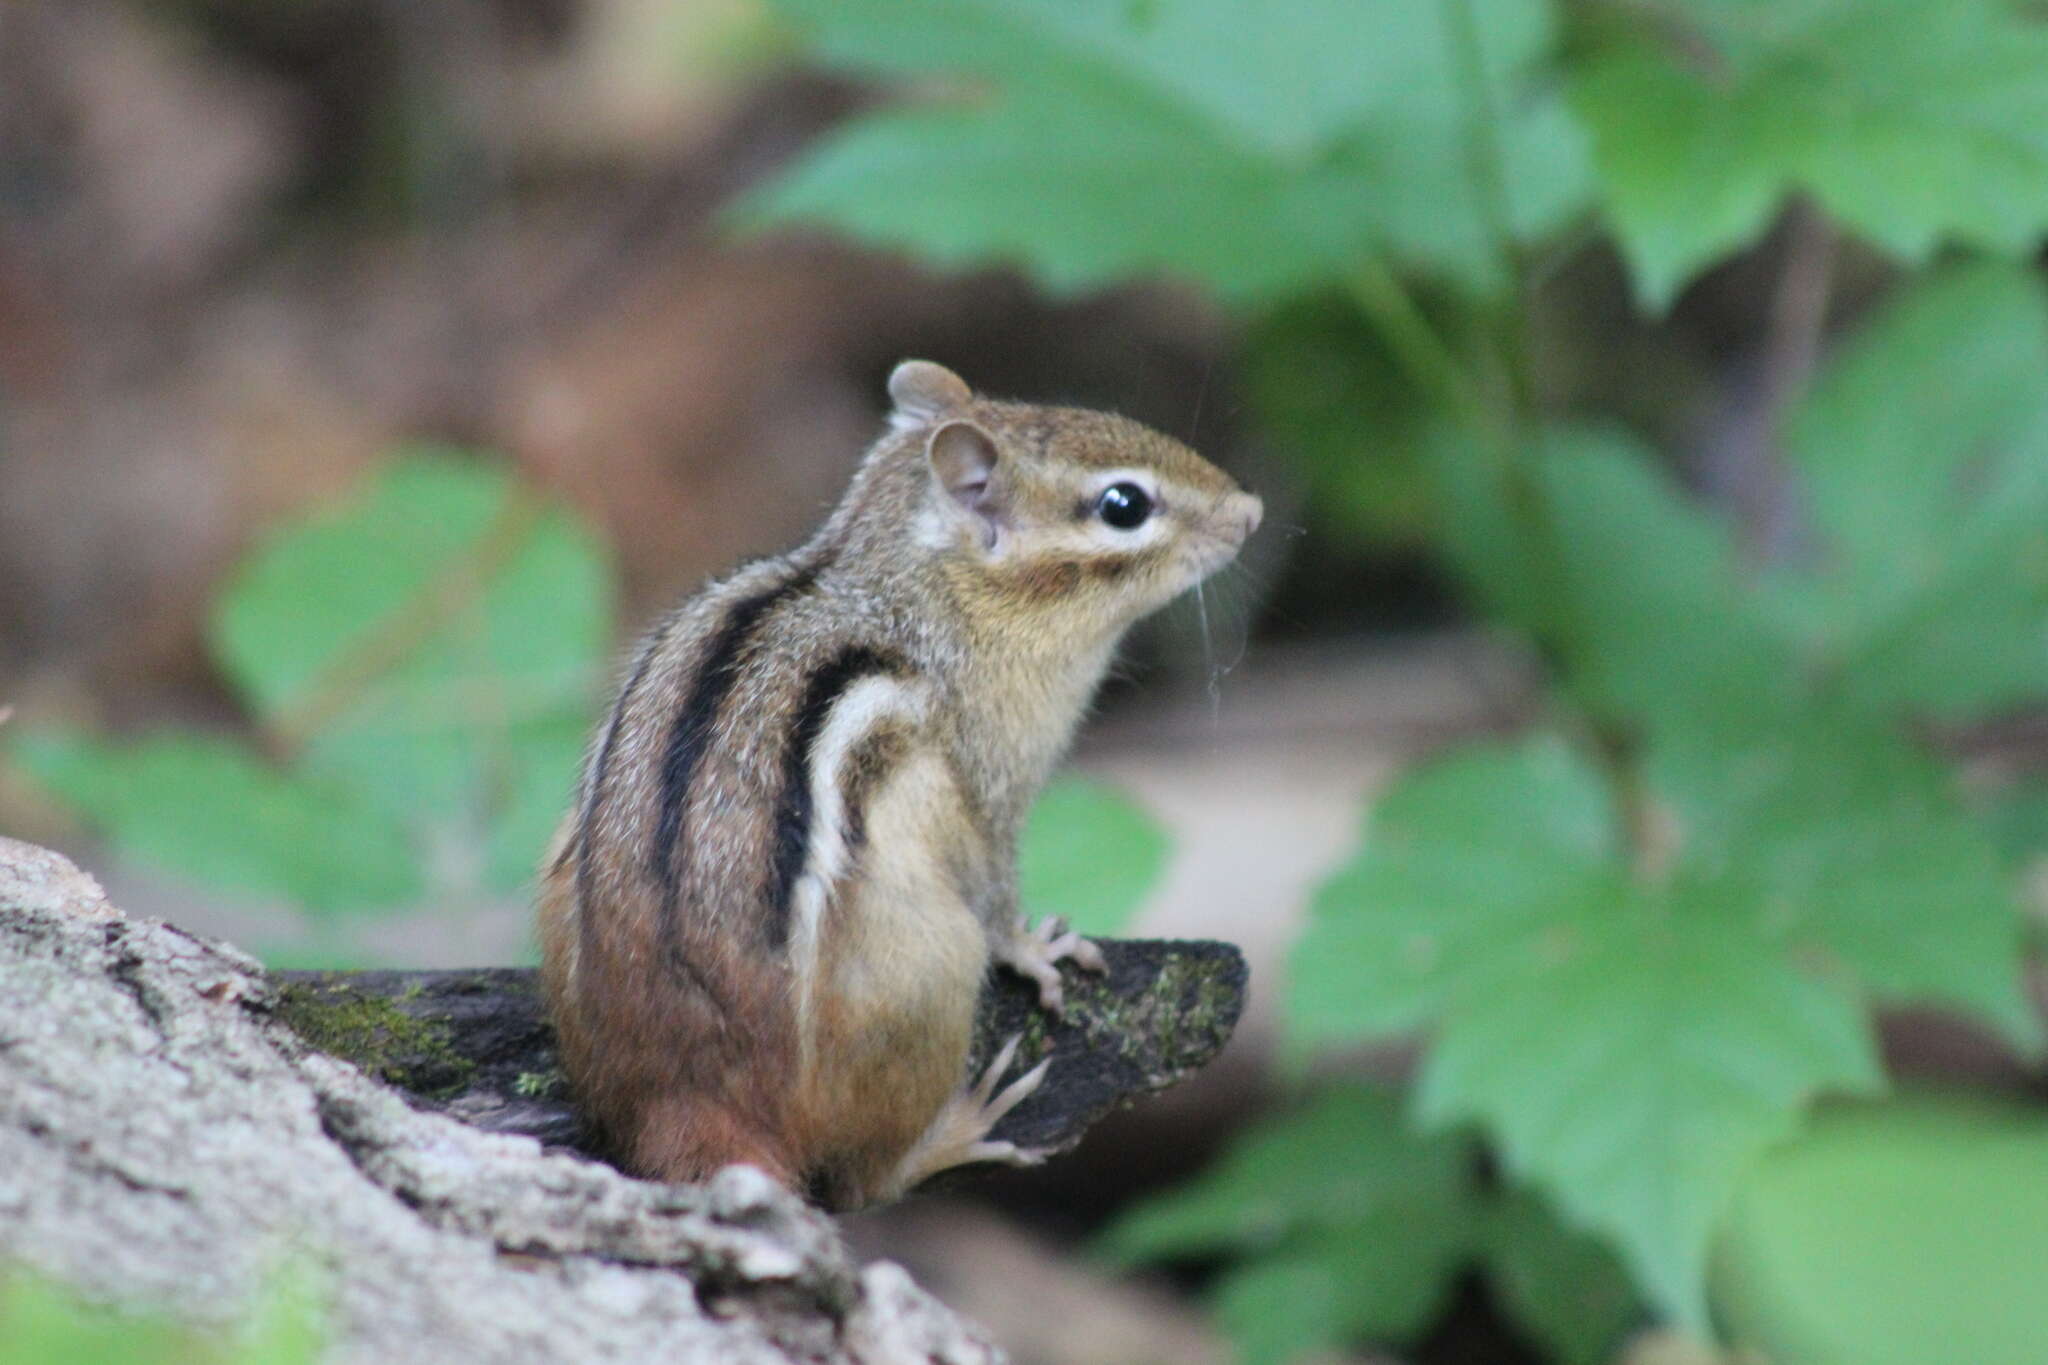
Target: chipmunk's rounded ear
924,392
963,459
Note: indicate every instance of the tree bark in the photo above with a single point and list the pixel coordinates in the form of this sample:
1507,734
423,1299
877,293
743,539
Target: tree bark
171,1132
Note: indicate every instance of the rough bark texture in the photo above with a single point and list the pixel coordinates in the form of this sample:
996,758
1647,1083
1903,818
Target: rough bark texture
167,1138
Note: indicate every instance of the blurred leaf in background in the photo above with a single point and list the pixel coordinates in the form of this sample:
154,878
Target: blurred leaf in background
1258,151
1324,386
433,647
43,1323
1895,1234
1915,122
1354,1226
1632,1048
420,662
1089,853
1924,450
210,808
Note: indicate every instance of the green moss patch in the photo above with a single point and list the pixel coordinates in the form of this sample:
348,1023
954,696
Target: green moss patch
413,1054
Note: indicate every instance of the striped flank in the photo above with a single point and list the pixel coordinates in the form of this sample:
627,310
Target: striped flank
691,736
794,811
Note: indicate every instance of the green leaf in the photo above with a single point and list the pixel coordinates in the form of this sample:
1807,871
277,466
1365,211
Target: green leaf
1561,1286
430,644
1589,548
534,785
1894,1234
1636,1064
2018,824
1914,122
1357,1224
287,1324
1630,1046
1089,853
1662,629
1854,842
208,809
1281,1308
1255,153
1333,399
1350,1225
1381,1282
1924,448
1465,864
1348,1157
45,1323
42,1323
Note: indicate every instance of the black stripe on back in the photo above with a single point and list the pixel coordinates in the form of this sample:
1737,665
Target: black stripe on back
793,811
691,734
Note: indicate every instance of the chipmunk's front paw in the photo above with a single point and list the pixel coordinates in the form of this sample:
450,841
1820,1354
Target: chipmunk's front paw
1037,953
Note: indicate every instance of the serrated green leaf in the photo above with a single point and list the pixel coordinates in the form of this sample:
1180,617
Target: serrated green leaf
1465,864
1894,1234
207,808
1913,121
1254,152
1560,1285
1939,379
1854,842
1924,448
1348,1157
1090,853
1637,1064
1630,1046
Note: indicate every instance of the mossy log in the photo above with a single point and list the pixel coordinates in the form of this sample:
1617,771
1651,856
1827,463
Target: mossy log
476,1044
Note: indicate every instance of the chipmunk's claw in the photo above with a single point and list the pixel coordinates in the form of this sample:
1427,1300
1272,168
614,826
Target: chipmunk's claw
1037,953
959,1134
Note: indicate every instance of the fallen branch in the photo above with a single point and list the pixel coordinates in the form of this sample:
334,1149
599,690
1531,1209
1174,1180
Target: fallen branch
475,1044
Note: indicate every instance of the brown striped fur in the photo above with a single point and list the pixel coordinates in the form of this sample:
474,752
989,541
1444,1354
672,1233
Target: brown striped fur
719,998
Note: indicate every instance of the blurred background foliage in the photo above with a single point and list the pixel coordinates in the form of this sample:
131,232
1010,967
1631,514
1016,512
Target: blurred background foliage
1691,355
42,1323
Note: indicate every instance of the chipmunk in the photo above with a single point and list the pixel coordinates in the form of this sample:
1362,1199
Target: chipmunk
792,860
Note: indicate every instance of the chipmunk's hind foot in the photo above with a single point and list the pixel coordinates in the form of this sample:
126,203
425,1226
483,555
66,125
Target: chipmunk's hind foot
959,1133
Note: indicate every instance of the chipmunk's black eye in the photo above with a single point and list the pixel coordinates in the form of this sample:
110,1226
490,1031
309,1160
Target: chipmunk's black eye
1124,506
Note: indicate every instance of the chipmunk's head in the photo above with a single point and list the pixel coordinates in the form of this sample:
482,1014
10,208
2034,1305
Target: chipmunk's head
1063,512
